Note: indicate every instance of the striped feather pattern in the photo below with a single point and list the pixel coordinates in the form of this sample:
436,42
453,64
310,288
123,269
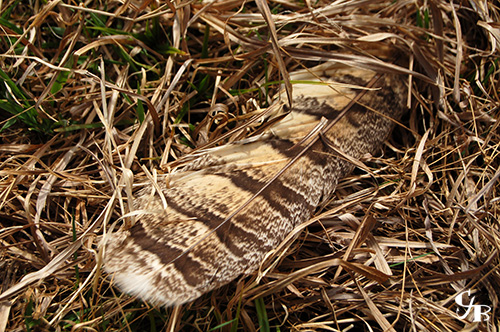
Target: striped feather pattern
234,204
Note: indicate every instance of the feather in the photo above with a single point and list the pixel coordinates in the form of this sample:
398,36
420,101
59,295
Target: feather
233,204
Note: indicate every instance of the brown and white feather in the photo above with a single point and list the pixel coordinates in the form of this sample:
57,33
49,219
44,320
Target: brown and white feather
215,227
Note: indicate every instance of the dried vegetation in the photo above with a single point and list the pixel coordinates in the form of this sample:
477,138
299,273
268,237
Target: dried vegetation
97,95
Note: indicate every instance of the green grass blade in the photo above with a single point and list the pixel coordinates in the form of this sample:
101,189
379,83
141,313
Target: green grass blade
262,315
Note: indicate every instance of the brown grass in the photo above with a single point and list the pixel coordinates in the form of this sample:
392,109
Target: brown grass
109,92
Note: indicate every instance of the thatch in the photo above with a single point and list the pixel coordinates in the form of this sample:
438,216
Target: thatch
96,96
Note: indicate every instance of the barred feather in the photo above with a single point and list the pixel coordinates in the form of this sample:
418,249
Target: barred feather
229,208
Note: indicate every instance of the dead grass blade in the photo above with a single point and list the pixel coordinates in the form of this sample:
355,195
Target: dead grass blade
266,13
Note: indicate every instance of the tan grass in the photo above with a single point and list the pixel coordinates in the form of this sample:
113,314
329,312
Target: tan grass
402,237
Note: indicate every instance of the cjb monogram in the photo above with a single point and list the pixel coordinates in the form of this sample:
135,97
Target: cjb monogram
480,311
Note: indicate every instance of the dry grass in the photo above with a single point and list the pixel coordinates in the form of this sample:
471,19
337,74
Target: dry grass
95,95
